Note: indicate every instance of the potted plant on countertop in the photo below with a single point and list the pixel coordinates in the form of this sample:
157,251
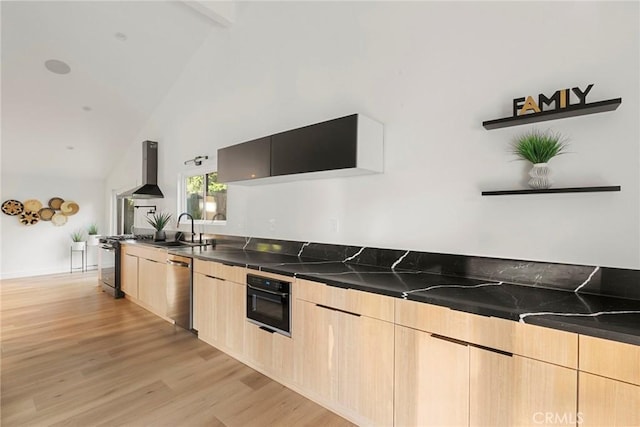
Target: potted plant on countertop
77,240
539,147
159,221
92,232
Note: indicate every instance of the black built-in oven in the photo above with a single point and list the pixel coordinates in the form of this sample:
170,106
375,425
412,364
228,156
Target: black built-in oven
269,304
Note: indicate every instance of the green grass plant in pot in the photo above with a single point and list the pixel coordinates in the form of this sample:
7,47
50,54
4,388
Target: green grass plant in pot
92,232
77,240
539,147
159,221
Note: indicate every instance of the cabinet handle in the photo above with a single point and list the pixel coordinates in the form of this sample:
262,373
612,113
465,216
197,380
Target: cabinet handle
213,277
451,340
337,309
280,294
492,350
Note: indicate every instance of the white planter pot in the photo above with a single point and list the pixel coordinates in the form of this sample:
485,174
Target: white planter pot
540,176
78,246
93,239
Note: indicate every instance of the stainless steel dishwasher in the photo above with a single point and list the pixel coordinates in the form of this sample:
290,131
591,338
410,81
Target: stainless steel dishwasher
179,290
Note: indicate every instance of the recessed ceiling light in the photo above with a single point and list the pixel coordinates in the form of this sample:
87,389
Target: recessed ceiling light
70,147
56,66
86,108
121,36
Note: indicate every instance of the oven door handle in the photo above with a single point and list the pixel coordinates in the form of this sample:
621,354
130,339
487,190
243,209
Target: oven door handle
280,294
107,248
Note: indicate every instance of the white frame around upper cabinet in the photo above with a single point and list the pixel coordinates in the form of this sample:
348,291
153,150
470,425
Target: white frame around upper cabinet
181,200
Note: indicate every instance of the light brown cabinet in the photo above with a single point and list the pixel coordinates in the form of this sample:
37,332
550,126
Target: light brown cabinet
270,352
144,277
442,380
431,380
129,275
606,402
609,393
219,312
346,361
383,361
152,285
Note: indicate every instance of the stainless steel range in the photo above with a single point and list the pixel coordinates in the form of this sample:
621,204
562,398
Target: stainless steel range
109,262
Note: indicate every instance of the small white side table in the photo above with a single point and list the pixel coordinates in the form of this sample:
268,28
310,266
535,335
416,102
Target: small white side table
83,257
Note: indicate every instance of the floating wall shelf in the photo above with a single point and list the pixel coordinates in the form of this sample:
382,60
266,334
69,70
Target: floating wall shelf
570,111
553,190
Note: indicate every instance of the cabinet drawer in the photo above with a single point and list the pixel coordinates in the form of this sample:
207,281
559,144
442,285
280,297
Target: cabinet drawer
610,359
358,302
545,344
607,402
220,271
154,254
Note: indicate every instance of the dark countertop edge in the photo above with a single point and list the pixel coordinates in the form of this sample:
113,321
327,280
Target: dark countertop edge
453,305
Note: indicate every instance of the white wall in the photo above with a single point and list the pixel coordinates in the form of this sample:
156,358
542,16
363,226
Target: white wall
431,72
43,248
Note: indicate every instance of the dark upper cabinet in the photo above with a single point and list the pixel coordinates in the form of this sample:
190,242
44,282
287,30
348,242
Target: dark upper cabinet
347,146
324,146
246,161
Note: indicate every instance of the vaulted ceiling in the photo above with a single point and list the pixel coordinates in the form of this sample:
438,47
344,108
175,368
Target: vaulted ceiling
123,57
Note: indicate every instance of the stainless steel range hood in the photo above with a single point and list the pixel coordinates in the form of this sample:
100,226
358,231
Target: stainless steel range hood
149,188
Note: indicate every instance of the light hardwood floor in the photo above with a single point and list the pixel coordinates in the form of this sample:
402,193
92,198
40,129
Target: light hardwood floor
73,356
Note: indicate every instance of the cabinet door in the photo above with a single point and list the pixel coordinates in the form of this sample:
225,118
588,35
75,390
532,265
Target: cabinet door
245,161
129,275
219,312
431,380
232,307
347,361
606,402
508,390
490,388
152,285
543,393
258,347
323,146
204,306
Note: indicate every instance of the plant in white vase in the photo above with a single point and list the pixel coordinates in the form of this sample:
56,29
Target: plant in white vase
539,147
92,233
77,240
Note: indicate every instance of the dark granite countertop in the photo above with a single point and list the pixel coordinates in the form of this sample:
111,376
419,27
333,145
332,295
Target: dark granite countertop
606,317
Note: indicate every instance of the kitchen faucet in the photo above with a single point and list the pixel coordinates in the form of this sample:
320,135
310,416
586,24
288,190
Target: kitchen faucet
193,233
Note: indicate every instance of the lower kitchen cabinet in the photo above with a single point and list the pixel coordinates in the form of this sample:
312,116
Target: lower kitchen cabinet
219,312
444,382
270,352
507,390
152,285
542,391
609,380
204,304
129,275
607,402
346,361
431,380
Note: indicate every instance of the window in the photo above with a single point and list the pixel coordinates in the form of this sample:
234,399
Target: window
203,197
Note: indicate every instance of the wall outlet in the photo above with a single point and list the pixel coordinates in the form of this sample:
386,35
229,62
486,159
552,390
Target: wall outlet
272,224
333,225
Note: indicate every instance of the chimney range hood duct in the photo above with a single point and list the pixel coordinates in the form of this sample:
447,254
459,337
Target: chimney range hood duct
149,188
